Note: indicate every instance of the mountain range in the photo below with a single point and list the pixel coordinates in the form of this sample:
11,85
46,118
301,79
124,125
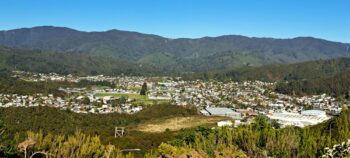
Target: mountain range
175,55
68,63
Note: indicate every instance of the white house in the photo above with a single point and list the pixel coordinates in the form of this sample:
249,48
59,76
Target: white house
224,123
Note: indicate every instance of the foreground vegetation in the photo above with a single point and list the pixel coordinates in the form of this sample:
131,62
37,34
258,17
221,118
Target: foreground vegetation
260,139
54,121
60,146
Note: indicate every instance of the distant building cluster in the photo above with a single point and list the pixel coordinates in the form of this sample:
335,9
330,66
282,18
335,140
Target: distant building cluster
240,101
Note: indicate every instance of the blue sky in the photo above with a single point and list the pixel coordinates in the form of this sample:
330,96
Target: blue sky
327,19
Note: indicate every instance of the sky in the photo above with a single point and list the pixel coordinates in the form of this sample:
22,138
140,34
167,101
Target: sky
327,19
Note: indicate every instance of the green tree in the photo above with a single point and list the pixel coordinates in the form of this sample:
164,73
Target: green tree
143,89
85,101
275,124
1,128
2,148
119,101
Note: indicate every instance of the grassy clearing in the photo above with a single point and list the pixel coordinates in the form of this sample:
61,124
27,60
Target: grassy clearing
177,123
150,101
128,95
135,88
99,87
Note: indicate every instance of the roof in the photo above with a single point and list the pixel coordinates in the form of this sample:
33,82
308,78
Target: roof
204,112
313,112
220,111
297,119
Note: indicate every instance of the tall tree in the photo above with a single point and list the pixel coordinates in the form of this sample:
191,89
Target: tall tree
143,89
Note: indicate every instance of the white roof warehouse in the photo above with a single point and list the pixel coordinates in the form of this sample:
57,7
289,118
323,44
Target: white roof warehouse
306,118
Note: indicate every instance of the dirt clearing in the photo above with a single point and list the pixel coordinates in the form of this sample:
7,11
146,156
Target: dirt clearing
178,123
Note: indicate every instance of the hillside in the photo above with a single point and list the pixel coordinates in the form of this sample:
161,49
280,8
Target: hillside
183,54
335,85
287,72
68,63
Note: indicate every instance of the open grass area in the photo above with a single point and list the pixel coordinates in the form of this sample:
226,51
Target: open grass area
128,95
135,88
99,87
177,123
150,101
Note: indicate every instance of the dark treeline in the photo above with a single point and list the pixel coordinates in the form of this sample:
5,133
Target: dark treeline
337,85
87,83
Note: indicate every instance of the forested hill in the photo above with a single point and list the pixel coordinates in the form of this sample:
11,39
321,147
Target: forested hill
336,85
176,55
68,63
287,72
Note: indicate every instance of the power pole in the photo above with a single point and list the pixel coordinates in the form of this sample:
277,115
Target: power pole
119,132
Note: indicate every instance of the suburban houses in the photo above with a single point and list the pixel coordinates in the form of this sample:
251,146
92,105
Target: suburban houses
236,100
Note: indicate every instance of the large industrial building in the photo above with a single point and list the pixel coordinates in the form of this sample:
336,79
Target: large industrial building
305,118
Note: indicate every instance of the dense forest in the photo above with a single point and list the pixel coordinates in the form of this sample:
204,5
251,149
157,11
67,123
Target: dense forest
336,85
68,63
280,72
260,139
